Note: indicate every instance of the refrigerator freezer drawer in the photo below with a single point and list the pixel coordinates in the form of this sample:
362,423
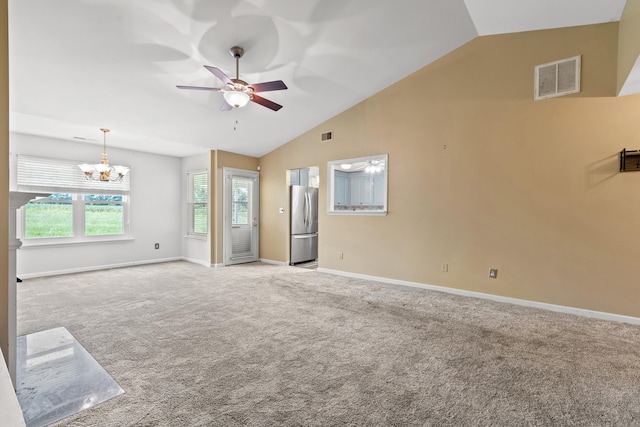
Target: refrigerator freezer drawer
304,247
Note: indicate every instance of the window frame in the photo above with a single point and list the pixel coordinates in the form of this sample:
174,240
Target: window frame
78,213
49,175
237,203
192,205
334,167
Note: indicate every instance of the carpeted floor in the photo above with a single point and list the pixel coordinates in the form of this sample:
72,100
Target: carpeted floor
265,345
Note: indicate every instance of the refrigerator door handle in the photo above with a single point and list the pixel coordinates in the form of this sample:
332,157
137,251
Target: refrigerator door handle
304,212
309,212
305,236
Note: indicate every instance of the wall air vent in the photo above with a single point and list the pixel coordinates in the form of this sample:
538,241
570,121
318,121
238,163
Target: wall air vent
557,78
327,136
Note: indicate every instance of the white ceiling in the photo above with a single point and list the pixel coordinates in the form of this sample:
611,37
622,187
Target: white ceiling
79,65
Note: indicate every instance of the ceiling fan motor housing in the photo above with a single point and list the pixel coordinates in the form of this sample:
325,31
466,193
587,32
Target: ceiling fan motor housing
236,52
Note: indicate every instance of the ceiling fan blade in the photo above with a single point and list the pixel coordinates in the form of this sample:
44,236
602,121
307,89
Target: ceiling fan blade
198,88
219,74
265,102
226,106
267,86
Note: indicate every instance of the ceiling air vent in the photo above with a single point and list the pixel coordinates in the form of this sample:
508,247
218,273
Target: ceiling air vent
557,78
327,136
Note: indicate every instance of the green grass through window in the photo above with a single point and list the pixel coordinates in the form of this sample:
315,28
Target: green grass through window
101,220
48,220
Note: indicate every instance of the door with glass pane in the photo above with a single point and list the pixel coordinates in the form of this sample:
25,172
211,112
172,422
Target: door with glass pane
241,219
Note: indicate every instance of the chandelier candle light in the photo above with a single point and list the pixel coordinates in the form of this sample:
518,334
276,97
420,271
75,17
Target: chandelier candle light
103,169
375,166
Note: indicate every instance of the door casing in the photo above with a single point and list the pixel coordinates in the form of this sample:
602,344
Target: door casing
229,232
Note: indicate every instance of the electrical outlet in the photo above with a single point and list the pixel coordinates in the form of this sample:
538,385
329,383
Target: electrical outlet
493,273
445,268
157,245
340,255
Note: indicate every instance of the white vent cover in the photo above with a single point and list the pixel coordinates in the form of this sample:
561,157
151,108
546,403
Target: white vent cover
557,78
327,136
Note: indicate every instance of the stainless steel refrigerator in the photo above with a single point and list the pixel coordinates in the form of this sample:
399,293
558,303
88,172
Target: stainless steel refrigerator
304,224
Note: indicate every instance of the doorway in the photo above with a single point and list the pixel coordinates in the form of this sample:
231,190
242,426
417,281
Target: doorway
241,205
303,191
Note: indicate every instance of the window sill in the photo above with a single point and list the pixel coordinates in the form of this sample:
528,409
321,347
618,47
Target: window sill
196,236
31,244
358,212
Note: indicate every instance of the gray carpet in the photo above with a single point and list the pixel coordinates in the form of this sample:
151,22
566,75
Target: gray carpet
264,345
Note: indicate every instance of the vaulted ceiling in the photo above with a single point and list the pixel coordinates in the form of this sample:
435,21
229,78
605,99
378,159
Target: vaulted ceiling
79,65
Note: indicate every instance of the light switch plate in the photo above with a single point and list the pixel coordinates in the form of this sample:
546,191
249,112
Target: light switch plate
493,273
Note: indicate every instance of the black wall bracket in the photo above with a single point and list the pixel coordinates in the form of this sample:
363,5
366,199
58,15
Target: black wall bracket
629,160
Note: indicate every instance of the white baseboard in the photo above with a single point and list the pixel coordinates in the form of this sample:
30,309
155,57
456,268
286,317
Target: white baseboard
95,268
269,261
195,261
527,303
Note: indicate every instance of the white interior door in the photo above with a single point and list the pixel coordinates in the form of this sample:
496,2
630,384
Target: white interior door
241,216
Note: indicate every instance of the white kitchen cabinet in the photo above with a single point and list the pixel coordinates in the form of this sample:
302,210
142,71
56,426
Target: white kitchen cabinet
294,176
341,193
299,177
379,190
360,186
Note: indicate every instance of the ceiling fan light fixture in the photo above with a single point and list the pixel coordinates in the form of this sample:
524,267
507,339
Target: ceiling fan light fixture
237,99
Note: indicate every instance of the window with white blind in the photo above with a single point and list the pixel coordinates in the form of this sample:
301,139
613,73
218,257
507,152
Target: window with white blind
198,203
78,210
240,202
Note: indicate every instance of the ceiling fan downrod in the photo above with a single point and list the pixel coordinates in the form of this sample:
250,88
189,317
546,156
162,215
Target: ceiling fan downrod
237,53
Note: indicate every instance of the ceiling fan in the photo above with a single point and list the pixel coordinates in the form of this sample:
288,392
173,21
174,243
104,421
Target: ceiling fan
237,93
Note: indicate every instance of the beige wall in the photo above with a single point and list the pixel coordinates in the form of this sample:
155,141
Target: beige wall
529,187
628,40
4,180
219,161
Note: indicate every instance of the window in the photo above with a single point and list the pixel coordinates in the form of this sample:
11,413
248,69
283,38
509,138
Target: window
198,203
240,201
76,211
358,186
50,217
76,217
103,215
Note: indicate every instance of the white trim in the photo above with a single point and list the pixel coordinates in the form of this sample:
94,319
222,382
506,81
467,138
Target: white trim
508,300
269,261
95,268
56,241
191,203
254,204
334,166
216,265
196,236
195,261
360,213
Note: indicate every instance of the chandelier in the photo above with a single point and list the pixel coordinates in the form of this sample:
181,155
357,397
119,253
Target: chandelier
103,171
375,166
